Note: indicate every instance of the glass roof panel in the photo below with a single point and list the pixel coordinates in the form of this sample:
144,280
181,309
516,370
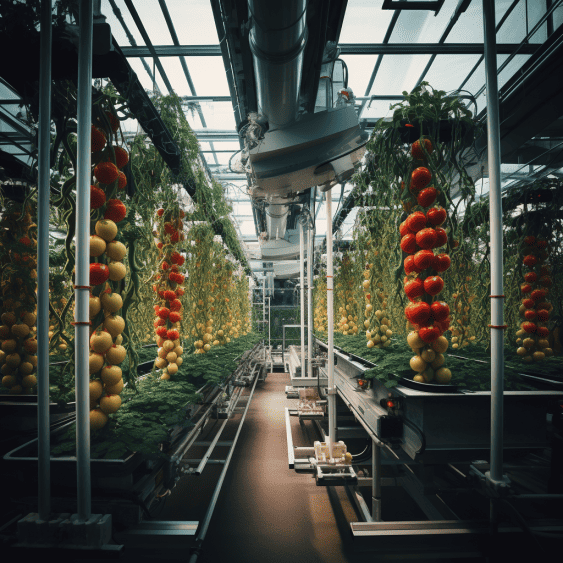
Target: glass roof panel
173,69
208,75
144,78
469,26
217,115
514,28
365,22
477,80
378,108
360,68
194,26
398,73
153,20
535,12
421,26
511,68
116,27
448,71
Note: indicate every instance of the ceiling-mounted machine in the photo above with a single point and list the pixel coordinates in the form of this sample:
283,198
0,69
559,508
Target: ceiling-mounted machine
295,114
289,149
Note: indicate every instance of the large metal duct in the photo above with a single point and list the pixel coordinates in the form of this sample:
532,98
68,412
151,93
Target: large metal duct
277,40
276,220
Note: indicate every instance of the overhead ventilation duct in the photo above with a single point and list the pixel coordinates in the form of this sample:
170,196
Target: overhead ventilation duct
278,36
276,220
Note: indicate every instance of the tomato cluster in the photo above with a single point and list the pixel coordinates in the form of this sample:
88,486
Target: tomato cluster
168,289
106,266
533,342
423,239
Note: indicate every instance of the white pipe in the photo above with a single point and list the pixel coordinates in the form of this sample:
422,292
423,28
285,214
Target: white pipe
44,188
330,325
264,315
82,315
302,282
497,302
309,302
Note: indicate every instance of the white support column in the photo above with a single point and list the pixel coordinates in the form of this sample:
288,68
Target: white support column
82,313
44,188
302,282
497,301
310,242
330,325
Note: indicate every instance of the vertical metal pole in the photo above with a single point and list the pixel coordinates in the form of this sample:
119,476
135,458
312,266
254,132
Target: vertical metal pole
264,316
302,282
269,321
376,482
330,325
83,261
44,188
497,302
309,301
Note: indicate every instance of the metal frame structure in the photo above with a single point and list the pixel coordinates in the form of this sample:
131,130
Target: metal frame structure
241,99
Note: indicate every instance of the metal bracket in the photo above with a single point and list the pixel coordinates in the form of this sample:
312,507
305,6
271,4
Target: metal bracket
491,488
331,391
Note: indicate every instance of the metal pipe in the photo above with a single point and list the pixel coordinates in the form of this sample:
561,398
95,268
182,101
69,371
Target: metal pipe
302,282
269,321
330,326
210,449
82,314
264,315
495,217
376,482
309,301
44,188
277,39
204,525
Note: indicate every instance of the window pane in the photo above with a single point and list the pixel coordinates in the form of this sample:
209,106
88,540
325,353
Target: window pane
365,22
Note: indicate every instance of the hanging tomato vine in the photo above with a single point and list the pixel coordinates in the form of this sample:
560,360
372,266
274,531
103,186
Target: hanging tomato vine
18,240
168,289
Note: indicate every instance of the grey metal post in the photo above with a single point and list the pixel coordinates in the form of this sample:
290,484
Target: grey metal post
264,315
310,301
497,303
302,282
44,188
376,482
269,321
81,331
330,325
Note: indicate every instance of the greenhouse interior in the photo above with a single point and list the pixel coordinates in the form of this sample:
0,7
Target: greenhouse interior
251,247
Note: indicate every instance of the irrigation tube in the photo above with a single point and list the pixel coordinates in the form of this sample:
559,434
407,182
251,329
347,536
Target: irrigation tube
330,324
302,282
82,316
497,298
205,524
310,238
44,188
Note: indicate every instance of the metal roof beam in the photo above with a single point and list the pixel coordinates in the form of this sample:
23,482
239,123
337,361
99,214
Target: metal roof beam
460,9
174,51
187,74
149,45
119,16
346,49
435,49
388,33
206,99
